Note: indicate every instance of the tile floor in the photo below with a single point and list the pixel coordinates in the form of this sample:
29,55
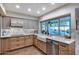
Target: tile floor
25,51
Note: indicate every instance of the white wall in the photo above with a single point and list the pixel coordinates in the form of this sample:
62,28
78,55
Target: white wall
0,24
13,14
77,32
67,9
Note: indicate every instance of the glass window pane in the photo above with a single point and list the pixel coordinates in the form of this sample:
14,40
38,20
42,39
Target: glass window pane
65,26
53,27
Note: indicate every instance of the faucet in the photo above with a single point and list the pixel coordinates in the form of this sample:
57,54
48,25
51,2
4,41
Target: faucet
3,33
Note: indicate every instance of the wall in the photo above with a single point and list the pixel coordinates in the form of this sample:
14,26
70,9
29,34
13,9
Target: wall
13,14
0,25
77,32
30,23
67,9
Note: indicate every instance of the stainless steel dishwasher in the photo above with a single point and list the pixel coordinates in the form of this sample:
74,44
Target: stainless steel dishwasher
52,47
55,47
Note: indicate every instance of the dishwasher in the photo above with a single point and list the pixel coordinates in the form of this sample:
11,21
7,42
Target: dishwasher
52,47
55,47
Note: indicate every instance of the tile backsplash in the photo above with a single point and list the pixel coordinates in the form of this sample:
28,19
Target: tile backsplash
17,31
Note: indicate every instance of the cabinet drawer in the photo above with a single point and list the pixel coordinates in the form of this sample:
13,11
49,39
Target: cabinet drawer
28,42
16,40
12,40
13,46
17,45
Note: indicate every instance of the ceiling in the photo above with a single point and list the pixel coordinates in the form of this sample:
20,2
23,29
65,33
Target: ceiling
34,8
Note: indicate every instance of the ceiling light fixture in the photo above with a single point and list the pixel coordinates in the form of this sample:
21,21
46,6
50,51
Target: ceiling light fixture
38,12
17,6
52,3
43,8
29,9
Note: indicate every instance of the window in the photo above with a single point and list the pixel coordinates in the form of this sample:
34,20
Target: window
53,27
59,26
44,27
65,26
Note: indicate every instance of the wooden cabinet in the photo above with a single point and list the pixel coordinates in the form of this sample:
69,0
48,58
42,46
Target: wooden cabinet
65,49
35,40
0,46
5,45
16,42
41,45
6,21
28,40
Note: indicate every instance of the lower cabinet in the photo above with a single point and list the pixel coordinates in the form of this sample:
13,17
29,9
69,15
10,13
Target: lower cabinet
0,46
41,45
35,40
65,49
28,41
5,45
59,48
16,43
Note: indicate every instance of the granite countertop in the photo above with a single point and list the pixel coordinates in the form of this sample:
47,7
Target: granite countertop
62,39
43,38
55,38
15,36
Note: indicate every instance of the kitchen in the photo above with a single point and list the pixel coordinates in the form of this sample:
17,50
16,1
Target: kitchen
38,28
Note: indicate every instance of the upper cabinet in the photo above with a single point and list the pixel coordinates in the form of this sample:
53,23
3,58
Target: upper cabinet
35,24
16,22
6,21
31,24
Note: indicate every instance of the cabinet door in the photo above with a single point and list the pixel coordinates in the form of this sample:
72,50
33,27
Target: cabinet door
5,45
30,24
35,42
16,43
41,45
25,25
35,24
0,46
63,49
28,41
6,22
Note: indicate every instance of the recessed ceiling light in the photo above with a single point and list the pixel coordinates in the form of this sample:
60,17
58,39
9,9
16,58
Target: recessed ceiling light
17,6
52,3
44,8
38,12
29,9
